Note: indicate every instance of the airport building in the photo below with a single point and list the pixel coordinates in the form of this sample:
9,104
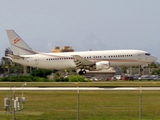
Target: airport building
8,51
64,49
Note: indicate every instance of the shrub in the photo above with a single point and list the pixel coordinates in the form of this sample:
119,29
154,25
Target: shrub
40,73
23,78
156,72
76,78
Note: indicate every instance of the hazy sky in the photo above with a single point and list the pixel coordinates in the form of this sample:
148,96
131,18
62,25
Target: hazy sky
83,24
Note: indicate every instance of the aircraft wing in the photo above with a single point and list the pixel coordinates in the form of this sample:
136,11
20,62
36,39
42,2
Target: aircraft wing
80,61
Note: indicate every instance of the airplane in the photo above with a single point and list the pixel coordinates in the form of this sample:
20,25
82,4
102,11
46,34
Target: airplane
82,61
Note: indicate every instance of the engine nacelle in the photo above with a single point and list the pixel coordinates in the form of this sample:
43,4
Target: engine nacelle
102,65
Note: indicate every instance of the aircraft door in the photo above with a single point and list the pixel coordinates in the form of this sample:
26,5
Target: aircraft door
36,61
139,56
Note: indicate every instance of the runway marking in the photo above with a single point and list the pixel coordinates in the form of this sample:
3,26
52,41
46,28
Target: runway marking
77,88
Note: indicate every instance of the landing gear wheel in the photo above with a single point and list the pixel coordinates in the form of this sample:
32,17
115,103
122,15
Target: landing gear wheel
141,69
82,72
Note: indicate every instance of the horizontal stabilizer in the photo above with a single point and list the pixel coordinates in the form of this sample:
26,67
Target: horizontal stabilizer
15,56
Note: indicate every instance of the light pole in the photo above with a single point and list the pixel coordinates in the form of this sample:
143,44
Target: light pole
22,99
77,101
22,88
140,106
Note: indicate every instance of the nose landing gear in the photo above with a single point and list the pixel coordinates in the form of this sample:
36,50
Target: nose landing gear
141,69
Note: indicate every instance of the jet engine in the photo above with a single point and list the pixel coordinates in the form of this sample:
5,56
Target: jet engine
102,65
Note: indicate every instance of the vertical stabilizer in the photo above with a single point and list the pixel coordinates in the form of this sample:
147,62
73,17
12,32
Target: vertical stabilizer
19,47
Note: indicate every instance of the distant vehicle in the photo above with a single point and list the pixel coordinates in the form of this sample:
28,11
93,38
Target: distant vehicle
127,78
135,77
156,77
93,79
109,78
118,77
101,78
146,77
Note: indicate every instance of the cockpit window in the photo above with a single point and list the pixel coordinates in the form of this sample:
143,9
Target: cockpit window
148,54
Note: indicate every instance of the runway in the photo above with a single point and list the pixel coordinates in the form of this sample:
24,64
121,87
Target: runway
78,88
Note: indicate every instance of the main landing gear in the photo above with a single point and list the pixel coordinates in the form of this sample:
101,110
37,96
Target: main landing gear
82,72
141,69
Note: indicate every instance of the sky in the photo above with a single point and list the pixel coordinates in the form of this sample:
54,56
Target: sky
83,24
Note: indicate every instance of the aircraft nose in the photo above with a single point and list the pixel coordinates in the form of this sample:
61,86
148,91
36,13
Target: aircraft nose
154,58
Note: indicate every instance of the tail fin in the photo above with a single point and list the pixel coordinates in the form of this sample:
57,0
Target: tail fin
19,47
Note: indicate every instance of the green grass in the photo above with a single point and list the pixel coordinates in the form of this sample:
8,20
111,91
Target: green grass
93,105
92,84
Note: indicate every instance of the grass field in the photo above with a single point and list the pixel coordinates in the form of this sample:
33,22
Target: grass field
91,84
93,105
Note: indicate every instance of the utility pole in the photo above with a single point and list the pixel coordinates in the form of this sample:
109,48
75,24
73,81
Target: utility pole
140,104
77,101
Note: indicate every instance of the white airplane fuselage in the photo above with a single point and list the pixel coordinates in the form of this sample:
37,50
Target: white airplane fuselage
116,58
86,60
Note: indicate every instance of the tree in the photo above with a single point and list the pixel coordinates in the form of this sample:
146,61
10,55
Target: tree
76,78
156,72
40,72
153,65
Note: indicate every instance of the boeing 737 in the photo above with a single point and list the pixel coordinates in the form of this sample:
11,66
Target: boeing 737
82,61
